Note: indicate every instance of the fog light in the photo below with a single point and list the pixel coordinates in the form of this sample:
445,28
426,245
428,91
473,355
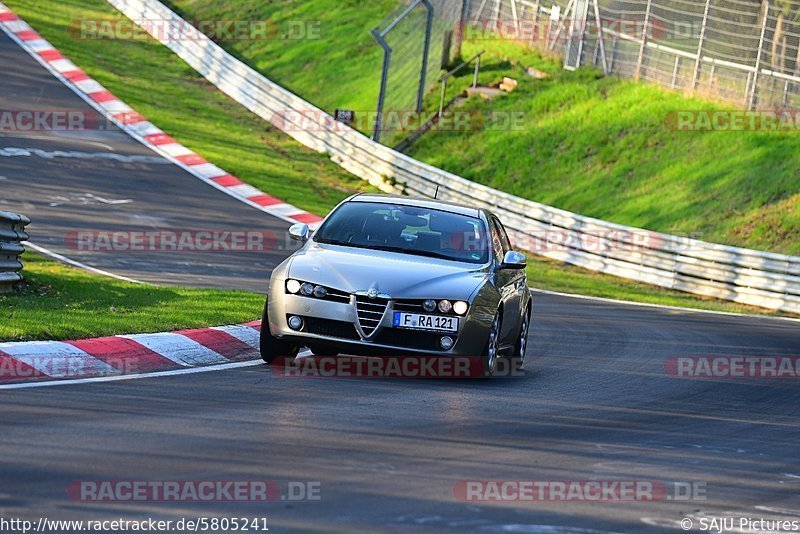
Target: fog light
292,286
445,306
295,322
446,342
429,305
460,307
320,292
307,289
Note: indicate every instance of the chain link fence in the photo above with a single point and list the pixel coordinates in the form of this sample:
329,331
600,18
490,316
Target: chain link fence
418,39
745,52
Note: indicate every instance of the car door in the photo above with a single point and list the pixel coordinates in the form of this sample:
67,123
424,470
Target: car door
507,282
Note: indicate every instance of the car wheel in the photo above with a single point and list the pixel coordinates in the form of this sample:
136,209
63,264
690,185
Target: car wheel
518,358
492,344
271,347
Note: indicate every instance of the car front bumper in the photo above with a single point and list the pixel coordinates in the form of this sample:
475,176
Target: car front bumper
331,324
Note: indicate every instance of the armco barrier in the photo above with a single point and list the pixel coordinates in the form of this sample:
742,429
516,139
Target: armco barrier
12,234
747,276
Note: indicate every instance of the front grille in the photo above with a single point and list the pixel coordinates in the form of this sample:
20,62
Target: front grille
369,312
329,328
411,339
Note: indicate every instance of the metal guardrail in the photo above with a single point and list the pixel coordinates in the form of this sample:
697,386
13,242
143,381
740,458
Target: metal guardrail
12,234
741,275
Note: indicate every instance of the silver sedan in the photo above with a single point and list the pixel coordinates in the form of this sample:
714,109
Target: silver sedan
387,275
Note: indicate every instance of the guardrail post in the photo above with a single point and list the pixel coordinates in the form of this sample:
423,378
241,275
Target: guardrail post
700,47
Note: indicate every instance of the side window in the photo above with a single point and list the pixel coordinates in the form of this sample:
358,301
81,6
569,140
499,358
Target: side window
505,242
497,242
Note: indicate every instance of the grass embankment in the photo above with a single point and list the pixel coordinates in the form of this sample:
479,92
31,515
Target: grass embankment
166,90
595,145
61,302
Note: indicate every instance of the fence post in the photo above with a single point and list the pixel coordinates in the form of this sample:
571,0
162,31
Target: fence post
459,33
425,52
754,84
675,71
644,40
601,37
387,54
700,47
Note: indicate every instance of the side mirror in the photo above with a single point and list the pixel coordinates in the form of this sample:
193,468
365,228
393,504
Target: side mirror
514,260
299,232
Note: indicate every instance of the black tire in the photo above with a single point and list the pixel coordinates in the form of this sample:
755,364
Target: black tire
271,347
490,353
521,346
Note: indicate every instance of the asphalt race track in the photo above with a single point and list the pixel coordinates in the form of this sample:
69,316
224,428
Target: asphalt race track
63,195
595,404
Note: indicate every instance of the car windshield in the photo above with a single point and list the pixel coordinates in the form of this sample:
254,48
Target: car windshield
406,229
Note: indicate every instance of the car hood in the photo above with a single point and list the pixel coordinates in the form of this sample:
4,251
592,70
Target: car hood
398,275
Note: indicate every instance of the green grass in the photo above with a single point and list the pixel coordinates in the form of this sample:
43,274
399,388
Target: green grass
601,147
594,145
337,71
168,92
60,302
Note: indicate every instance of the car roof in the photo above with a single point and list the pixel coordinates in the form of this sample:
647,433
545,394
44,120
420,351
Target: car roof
442,205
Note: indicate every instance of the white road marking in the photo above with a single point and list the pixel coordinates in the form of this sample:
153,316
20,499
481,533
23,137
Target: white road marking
774,510
78,264
156,374
11,152
662,306
107,201
175,372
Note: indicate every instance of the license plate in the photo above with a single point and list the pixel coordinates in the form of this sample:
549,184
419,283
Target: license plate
416,321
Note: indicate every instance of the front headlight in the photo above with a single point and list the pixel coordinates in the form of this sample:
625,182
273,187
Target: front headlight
292,286
460,307
445,306
307,289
